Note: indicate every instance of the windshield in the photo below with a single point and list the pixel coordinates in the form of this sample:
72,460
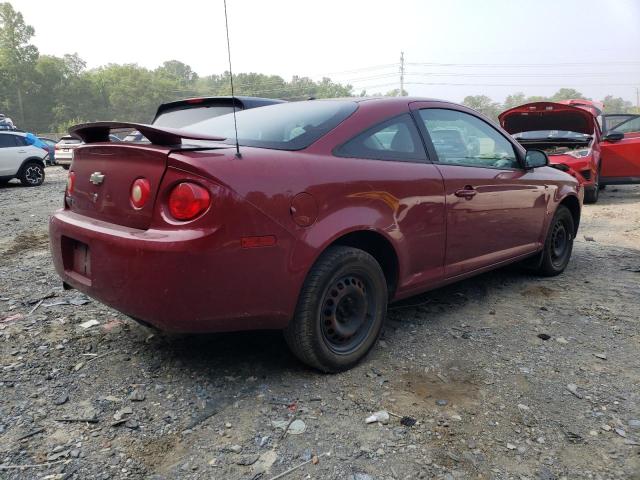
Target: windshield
187,116
285,126
550,134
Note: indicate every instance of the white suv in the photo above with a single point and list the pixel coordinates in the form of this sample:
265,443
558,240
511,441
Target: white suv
20,160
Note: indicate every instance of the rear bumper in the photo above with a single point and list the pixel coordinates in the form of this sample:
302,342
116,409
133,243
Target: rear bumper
176,280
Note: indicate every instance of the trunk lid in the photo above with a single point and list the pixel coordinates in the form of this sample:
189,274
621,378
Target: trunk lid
541,116
105,171
104,175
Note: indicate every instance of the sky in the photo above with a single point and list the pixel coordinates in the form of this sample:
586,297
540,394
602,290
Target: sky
452,48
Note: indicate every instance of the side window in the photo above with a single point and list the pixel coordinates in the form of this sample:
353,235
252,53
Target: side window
394,139
462,139
632,125
19,140
611,122
7,141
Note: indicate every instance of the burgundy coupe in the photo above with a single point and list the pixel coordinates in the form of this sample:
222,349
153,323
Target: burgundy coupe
331,209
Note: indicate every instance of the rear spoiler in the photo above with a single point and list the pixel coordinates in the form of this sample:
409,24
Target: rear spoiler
99,132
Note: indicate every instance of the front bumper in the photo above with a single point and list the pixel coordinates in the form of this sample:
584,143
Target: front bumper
582,169
176,280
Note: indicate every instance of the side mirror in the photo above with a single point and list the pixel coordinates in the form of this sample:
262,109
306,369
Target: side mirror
613,136
535,159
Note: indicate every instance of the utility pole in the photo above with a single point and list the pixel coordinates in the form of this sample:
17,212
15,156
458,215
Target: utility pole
401,94
638,99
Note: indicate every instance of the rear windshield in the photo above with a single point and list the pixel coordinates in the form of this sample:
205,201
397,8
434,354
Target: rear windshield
69,140
285,126
187,116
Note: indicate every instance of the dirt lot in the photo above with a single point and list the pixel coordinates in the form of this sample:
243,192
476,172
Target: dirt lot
491,398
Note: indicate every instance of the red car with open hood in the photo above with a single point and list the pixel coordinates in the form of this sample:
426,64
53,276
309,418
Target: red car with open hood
331,209
568,131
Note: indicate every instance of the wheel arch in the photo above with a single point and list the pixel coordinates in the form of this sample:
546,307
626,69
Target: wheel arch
378,246
28,160
572,203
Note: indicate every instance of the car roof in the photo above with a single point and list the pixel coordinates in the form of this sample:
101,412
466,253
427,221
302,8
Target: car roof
14,132
240,101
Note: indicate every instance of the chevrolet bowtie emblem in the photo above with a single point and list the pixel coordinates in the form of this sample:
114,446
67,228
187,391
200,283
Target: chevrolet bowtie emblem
96,178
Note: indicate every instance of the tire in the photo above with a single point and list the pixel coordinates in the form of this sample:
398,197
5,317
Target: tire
340,310
591,194
558,245
66,167
32,174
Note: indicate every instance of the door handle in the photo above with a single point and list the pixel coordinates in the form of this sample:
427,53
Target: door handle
467,192
22,151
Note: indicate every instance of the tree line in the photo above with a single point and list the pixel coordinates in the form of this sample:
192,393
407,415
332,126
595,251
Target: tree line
492,109
46,93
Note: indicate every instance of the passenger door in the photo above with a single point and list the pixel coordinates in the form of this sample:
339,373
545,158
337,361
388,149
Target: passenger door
11,154
621,159
394,177
495,209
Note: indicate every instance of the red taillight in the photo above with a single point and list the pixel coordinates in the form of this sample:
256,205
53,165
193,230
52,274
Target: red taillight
56,147
71,182
188,200
140,192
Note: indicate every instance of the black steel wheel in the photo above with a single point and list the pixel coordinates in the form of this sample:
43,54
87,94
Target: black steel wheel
591,194
340,310
558,245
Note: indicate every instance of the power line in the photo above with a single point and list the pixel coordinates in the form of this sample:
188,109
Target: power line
357,70
531,75
521,84
522,65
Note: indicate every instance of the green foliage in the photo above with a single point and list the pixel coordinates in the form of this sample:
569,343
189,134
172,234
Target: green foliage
17,59
567,94
396,93
484,105
617,105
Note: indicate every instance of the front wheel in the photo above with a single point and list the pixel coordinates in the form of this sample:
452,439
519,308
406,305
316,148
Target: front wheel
592,193
340,310
32,174
558,245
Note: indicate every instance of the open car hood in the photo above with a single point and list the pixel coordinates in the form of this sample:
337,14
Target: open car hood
536,116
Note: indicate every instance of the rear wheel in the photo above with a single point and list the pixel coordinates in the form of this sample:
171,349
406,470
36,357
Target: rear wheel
340,311
32,174
558,245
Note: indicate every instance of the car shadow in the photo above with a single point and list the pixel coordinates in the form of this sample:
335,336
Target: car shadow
619,194
10,184
265,353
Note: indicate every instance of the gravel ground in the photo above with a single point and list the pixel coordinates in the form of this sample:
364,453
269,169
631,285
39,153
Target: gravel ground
492,398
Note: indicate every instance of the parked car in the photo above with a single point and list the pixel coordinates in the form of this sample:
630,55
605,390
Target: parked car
332,209
51,148
620,149
567,131
19,159
67,145
181,113
64,150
